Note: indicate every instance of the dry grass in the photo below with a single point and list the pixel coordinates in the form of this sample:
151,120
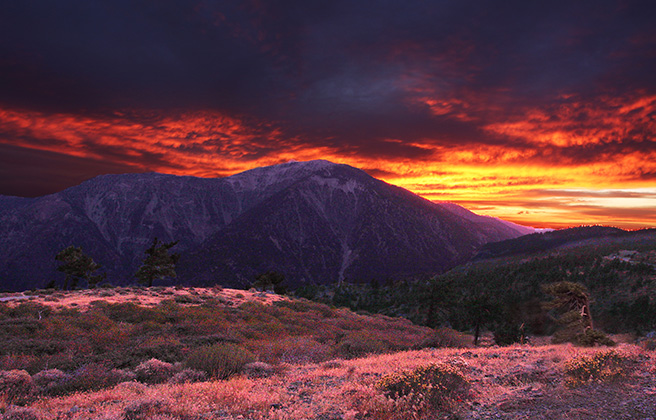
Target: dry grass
81,299
516,382
512,382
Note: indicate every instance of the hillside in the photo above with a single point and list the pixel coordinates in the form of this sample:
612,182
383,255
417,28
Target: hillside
89,355
597,236
315,222
618,268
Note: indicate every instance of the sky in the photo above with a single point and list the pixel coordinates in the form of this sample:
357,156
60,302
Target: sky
541,113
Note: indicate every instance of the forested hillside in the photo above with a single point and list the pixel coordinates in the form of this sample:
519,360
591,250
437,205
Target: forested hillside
620,275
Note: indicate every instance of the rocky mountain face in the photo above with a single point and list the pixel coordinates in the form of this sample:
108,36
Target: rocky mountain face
312,221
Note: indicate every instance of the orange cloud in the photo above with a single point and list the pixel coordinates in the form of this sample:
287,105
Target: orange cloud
580,123
522,179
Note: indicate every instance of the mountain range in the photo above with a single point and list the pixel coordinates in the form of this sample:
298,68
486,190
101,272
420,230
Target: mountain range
315,222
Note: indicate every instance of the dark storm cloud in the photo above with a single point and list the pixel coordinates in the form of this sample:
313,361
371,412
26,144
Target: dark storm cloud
386,79
19,176
340,59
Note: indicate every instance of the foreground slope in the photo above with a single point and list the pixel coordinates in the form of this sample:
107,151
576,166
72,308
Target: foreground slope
313,221
90,354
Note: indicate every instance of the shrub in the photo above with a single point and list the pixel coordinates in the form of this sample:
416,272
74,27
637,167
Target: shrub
50,381
17,361
90,377
133,387
258,370
426,387
601,367
17,386
161,348
145,409
292,350
361,343
30,309
154,371
332,364
24,326
188,299
590,338
20,413
648,344
446,337
508,334
122,375
220,360
188,376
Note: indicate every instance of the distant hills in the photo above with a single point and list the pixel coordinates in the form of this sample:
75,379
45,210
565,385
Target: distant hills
597,236
316,222
502,285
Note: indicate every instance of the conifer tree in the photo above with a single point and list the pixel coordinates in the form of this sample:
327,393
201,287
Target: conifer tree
77,266
159,263
572,300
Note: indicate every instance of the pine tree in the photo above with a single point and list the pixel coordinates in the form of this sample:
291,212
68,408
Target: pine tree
158,263
77,266
572,300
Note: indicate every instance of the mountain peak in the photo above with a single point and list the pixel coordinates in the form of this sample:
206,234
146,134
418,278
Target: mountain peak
314,221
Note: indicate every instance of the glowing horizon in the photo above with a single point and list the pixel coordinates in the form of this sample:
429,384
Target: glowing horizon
495,181
543,114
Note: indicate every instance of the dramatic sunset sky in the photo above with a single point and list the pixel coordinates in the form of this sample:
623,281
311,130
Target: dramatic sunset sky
542,113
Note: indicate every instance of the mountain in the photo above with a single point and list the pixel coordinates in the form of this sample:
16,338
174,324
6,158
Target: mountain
314,221
564,238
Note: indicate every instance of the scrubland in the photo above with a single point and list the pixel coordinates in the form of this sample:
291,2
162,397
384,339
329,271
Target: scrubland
221,354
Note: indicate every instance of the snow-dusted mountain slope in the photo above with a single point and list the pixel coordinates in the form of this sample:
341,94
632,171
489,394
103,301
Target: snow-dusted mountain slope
314,221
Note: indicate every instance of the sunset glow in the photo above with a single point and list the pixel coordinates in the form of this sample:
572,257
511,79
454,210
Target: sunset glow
518,113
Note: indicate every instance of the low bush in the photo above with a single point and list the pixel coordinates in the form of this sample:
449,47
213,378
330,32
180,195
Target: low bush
161,348
426,388
591,337
17,361
220,360
258,370
20,413
292,350
603,366
121,375
154,371
30,309
145,410
188,299
446,337
17,386
187,376
132,387
50,381
332,364
508,334
648,344
91,377
361,343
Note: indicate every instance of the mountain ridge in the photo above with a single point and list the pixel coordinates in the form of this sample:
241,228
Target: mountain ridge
115,217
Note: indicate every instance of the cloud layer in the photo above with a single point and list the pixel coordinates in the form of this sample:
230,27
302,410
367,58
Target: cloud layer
503,108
